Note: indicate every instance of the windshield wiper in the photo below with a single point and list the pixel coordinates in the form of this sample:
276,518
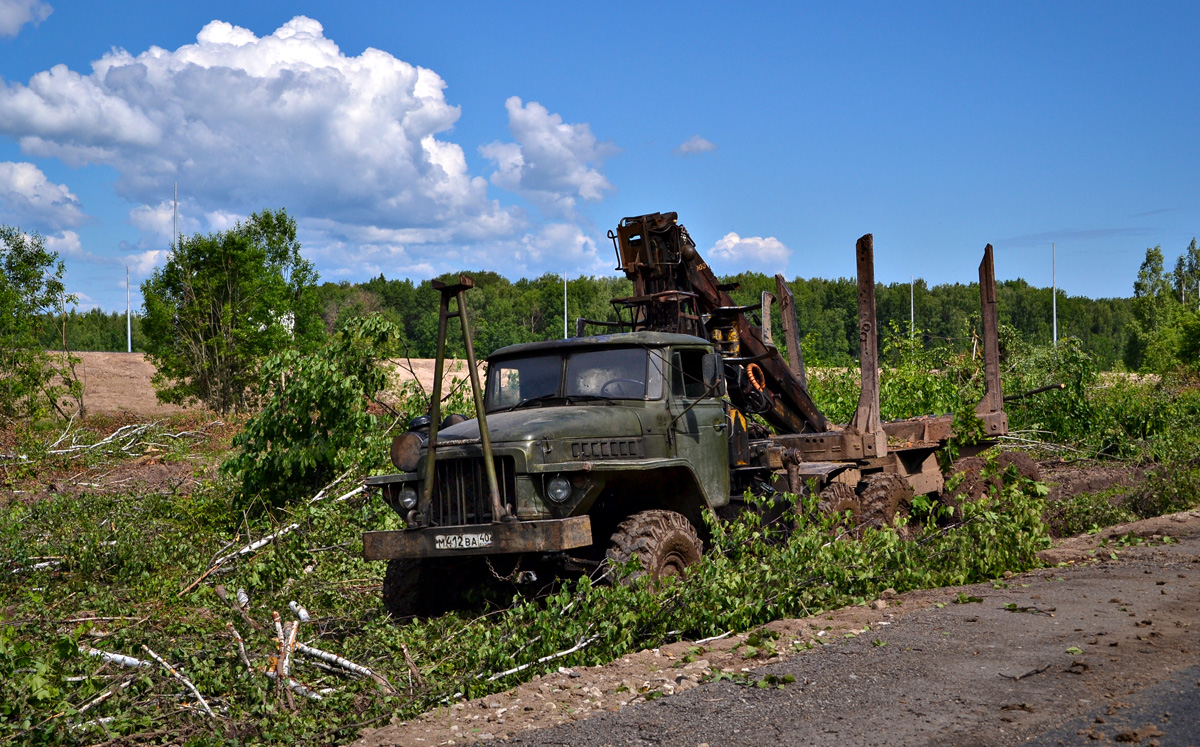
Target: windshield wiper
566,398
534,400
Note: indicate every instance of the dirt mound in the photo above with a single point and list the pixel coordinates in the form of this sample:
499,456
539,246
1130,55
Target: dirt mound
975,486
1066,481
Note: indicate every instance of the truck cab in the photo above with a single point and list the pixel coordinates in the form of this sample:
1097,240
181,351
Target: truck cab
585,433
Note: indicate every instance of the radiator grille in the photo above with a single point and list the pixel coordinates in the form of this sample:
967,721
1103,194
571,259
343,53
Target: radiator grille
623,448
460,490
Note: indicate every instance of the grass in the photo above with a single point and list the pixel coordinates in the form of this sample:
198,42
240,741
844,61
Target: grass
116,569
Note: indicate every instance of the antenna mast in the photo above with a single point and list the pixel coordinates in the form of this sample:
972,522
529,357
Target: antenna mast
1054,298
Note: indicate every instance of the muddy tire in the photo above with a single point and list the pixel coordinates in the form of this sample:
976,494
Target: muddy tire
884,496
418,587
664,541
837,498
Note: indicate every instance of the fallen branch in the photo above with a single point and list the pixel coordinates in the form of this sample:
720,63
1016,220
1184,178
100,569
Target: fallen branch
118,659
703,641
258,544
1030,673
412,667
124,432
323,491
299,611
295,686
239,608
241,647
348,665
244,551
181,678
107,694
577,647
281,660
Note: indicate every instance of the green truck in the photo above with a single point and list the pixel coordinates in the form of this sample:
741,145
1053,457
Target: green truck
588,452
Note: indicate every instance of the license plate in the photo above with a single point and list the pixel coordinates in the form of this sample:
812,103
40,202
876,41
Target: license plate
463,541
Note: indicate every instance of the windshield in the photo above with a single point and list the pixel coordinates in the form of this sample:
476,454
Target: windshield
612,373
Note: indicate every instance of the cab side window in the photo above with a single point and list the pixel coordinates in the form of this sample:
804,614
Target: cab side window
687,374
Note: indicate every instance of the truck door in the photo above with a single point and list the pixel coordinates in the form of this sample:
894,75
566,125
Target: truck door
700,427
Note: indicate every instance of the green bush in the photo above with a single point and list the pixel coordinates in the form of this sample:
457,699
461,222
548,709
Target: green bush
1088,512
320,418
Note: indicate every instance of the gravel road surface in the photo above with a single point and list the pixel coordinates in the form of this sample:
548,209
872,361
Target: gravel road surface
1099,653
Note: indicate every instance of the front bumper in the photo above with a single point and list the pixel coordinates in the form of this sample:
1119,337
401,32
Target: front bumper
549,535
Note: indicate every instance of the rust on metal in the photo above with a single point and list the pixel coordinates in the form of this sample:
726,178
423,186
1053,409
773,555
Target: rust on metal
866,418
991,408
456,292
550,535
791,330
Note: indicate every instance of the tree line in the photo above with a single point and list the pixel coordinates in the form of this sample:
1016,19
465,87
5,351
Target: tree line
505,312
226,301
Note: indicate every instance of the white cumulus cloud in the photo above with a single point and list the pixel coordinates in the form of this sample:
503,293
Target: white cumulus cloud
16,13
557,247
696,144
244,122
552,164
735,251
28,197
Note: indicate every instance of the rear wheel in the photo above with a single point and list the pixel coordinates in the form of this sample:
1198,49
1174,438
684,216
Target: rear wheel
664,542
837,498
884,496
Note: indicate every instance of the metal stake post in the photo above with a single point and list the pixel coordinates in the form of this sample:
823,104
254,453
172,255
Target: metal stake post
866,418
457,291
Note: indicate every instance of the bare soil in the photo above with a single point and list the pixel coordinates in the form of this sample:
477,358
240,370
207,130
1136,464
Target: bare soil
1070,647
121,382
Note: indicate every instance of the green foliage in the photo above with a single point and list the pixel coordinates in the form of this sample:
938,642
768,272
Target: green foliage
524,310
914,380
224,302
1088,512
1163,329
94,330
318,418
1172,486
30,285
125,558
1063,415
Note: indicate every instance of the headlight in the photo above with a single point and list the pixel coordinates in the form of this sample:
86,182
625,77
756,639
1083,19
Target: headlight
558,489
406,451
408,499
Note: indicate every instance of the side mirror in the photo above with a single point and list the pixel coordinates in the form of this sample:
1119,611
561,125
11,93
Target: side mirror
713,372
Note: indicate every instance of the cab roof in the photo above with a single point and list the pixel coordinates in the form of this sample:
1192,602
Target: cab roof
622,339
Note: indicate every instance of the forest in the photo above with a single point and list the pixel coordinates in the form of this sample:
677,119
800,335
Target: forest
506,312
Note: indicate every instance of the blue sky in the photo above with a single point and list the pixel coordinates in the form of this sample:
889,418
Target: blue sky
413,139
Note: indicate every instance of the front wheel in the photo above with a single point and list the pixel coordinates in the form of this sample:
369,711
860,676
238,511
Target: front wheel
664,542
427,587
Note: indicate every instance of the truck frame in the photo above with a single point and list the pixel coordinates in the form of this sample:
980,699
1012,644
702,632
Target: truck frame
588,452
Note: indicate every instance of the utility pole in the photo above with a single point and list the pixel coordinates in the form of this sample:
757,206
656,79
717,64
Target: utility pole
564,305
912,317
175,220
1054,286
128,322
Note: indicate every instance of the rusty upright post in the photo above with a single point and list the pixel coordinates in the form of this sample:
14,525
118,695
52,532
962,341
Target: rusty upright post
435,403
791,329
457,292
991,408
866,418
499,511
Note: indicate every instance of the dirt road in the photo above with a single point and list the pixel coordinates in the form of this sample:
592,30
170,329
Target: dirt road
1105,650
